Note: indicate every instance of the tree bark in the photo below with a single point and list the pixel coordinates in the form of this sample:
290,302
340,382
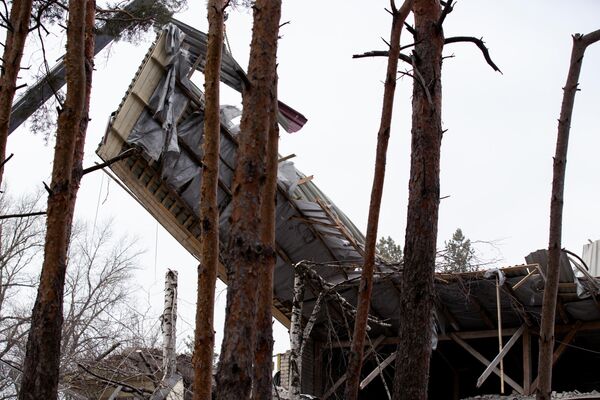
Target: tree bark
169,325
414,349
207,270
262,387
41,365
295,363
355,357
16,35
580,43
246,249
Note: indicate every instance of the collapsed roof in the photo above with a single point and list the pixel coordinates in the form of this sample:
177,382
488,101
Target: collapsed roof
162,116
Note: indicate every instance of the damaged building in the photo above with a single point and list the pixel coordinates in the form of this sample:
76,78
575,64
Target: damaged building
486,322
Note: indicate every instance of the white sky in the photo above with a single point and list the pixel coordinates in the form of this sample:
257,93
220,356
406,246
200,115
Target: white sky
496,155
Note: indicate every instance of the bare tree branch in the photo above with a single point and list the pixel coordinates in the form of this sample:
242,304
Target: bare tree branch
448,8
383,53
456,39
23,215
479,43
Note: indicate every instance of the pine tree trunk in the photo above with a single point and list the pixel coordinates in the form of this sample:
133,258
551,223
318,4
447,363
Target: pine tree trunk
580,43
207,270
366,282
246,250
414,349
41,365
78,153
16,35
262,387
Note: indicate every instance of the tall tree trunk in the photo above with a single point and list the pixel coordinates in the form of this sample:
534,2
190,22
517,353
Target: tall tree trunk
262,387
295,363
169,325
414,349
246,250
16,35
78,152
580,43
207,270
366,281
41,365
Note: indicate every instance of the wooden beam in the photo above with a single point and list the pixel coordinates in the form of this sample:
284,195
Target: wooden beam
500,355
582,326
561,349
485,361
377,370
488,333
484,334
526,361
565,342
522,281
282,159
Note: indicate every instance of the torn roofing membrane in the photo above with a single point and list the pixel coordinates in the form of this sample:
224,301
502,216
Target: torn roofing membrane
169,132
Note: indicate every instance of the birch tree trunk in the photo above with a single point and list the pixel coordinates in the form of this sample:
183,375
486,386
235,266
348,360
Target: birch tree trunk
414,349
580,43
207,270
366,281
169,325
296,338
16,35
246,249
262,387
41,365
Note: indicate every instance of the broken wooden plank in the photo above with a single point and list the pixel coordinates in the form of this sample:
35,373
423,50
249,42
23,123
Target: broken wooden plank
500,355
522,281
485,361
377,370
282,159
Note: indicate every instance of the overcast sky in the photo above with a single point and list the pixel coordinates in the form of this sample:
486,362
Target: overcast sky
496,155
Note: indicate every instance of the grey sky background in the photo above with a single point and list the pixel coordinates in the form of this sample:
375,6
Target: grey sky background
496,155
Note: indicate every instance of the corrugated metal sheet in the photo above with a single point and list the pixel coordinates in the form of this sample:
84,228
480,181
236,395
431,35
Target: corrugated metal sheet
591,256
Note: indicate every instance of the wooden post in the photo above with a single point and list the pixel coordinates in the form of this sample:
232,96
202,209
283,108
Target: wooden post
500,333
526,361
168,323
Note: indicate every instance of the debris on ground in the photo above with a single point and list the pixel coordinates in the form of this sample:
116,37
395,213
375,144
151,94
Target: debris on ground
574,395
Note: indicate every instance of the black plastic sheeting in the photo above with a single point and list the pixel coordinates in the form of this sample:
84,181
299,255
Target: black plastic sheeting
170,131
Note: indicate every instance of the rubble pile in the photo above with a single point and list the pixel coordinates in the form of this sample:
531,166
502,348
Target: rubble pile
574,395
